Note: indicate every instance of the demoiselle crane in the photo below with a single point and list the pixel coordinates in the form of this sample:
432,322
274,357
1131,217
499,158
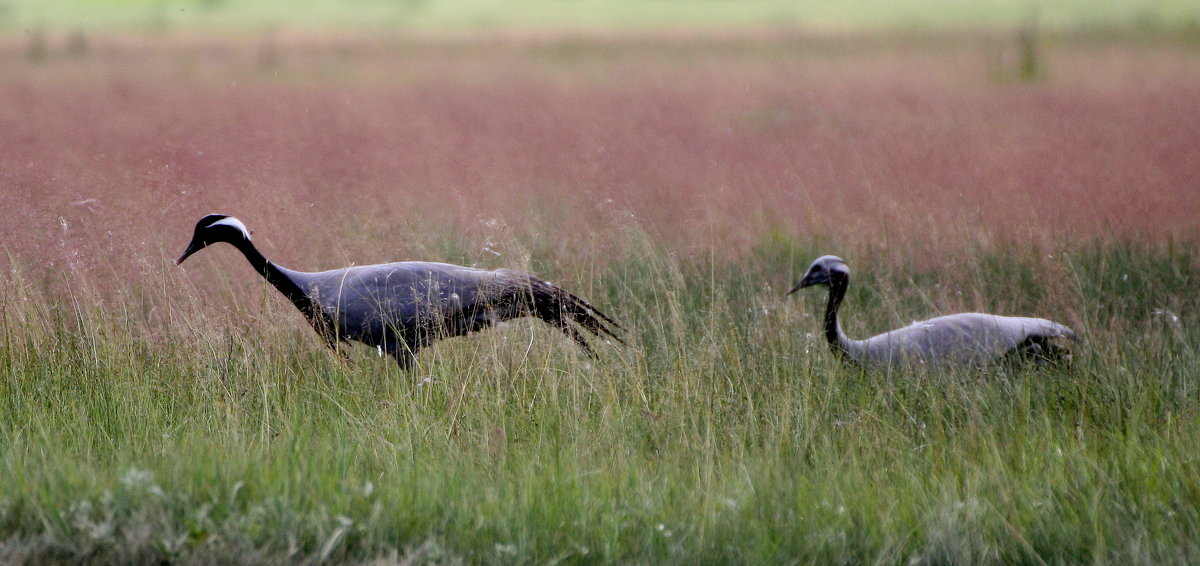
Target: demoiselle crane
405,306
964,339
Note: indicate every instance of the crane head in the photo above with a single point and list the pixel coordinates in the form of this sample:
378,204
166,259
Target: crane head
822,271
212,229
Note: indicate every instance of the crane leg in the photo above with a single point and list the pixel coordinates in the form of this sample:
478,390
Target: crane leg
402,353
336,345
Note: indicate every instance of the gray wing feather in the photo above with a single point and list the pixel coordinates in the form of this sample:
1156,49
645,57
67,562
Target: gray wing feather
418,302
366,300
966,338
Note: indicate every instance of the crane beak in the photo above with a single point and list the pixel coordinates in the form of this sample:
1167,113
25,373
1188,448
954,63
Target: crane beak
811,278
193,247
797,287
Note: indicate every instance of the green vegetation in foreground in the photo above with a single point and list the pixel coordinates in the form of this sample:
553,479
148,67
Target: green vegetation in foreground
154,428
467,15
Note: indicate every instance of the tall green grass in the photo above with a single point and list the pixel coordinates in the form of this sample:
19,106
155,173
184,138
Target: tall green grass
162,420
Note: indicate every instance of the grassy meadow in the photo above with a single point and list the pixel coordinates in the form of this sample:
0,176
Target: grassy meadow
155,413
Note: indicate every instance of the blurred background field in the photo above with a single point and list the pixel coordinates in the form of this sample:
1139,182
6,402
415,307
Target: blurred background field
678,164
489,15
914,146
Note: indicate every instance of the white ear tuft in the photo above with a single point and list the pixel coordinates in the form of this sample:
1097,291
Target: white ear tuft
231,221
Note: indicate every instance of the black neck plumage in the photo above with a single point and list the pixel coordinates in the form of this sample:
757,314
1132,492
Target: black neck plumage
838,283
280,280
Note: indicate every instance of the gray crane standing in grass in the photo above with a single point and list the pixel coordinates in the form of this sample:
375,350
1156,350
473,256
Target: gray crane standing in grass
403,307
964,339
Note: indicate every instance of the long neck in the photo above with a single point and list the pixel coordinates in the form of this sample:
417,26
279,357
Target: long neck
838,342
275,276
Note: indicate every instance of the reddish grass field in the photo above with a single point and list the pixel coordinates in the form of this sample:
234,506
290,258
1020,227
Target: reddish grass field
162,414
342,151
